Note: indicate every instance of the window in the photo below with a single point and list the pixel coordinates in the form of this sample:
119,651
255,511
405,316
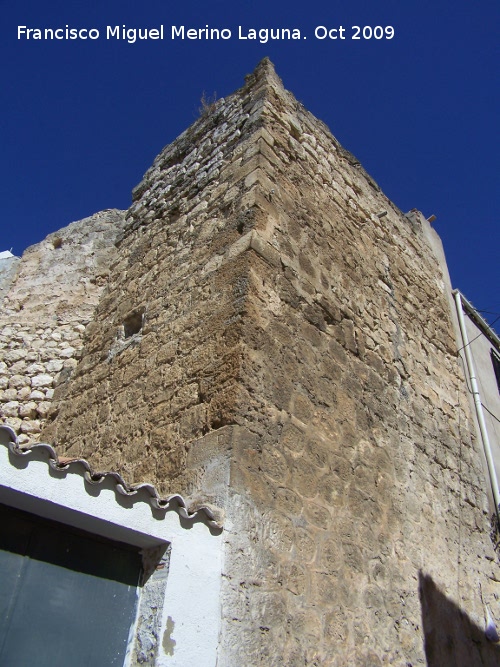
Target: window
66,596
495,358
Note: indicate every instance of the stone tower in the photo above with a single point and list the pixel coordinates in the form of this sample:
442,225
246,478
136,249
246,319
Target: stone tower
275,340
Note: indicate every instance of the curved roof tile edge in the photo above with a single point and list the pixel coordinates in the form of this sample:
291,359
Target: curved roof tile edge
92,477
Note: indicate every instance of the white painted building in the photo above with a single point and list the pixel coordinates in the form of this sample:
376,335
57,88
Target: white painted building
161,606
480,355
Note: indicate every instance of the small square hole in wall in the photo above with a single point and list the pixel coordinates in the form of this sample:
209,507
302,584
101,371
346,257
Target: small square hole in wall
133,324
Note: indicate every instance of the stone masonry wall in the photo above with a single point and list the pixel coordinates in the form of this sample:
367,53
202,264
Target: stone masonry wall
161,363
46,307
354,468
275,338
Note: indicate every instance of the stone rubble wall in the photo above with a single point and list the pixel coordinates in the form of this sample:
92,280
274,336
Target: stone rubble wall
46,307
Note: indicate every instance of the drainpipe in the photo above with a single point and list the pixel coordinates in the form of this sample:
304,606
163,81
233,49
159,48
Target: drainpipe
477,404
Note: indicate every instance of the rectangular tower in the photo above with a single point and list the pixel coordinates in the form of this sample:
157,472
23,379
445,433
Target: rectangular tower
275,339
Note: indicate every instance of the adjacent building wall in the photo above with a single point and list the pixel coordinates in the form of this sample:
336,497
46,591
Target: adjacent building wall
483,346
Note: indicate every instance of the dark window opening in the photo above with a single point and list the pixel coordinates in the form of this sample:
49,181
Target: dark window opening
132,324
495,358
78,591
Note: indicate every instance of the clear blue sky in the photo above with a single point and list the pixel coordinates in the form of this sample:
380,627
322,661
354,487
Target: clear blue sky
81,121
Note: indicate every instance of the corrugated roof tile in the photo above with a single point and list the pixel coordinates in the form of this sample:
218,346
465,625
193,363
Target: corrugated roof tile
212,516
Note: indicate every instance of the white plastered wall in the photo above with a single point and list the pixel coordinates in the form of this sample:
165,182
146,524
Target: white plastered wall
189,622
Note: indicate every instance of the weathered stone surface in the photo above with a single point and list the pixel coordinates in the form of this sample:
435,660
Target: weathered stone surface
28,409
10,409
267,343
42,380
8,267
47,301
